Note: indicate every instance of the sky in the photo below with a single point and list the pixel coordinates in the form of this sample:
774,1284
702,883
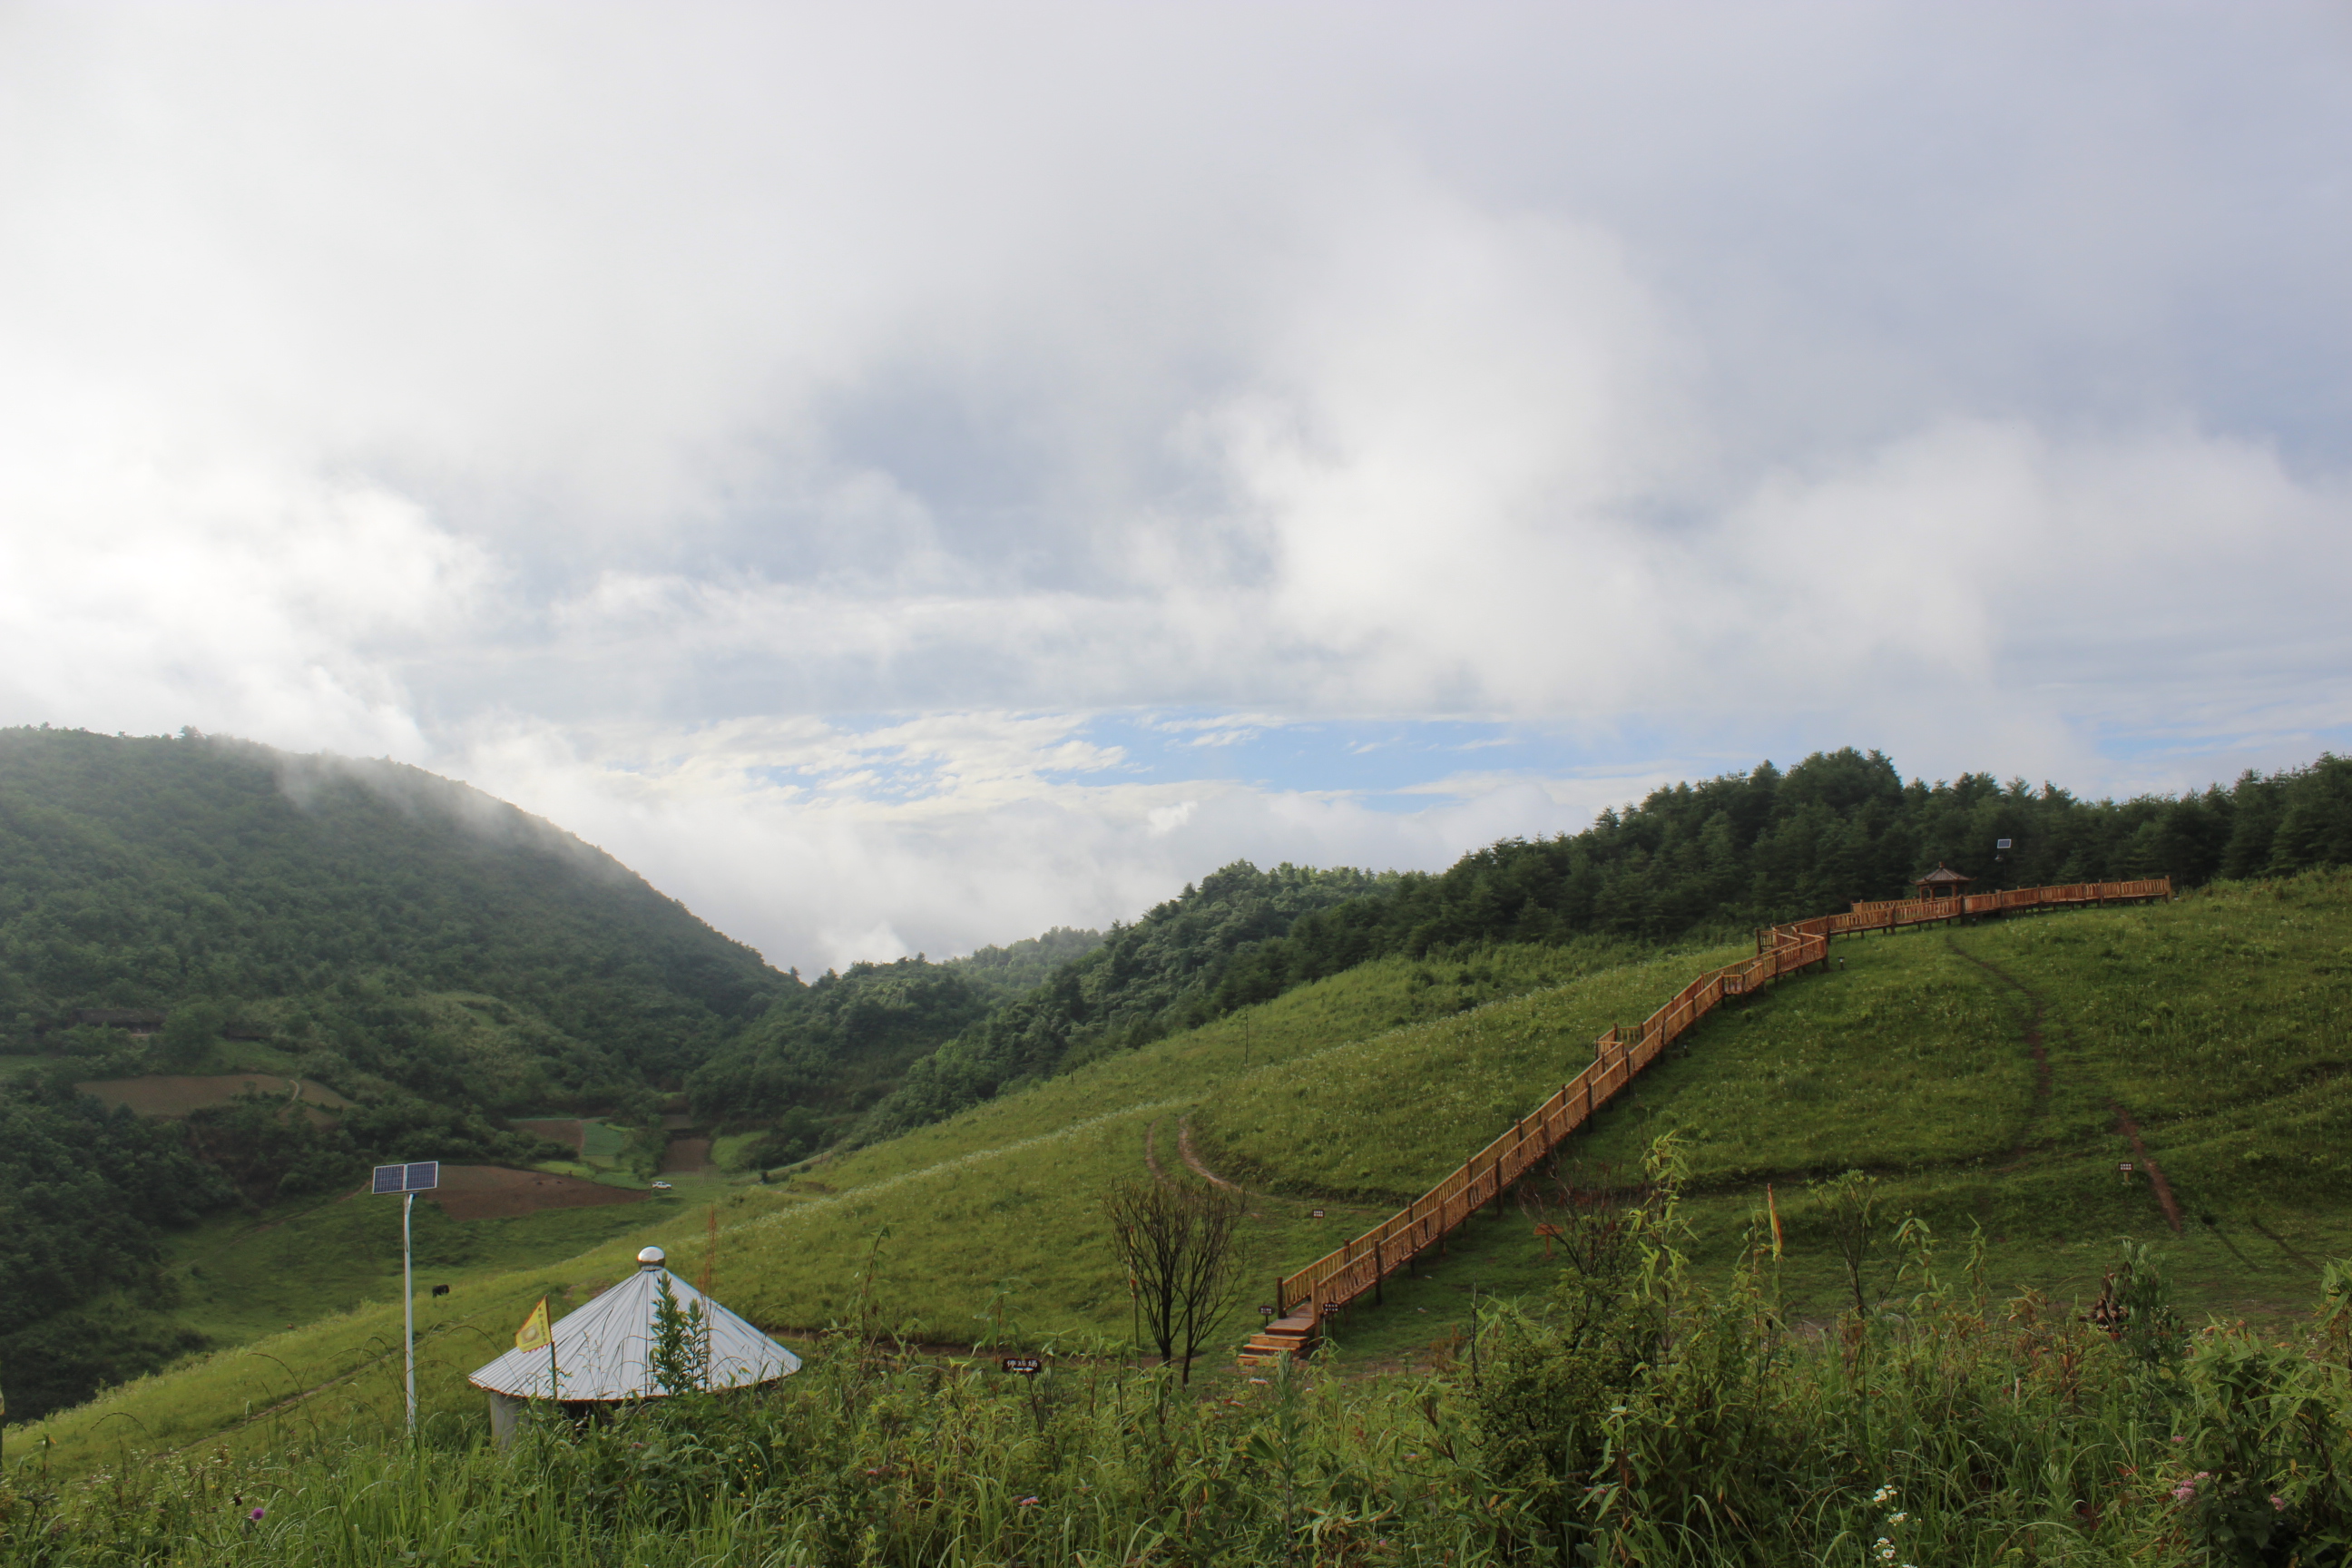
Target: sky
903,476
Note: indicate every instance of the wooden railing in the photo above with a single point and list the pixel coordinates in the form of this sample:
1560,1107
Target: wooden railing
1357,1268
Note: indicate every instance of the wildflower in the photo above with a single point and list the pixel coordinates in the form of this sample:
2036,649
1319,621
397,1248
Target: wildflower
1026,1502
1886,1549
2179,1438
1897,1518
2278,1502
1884,1494
257,1515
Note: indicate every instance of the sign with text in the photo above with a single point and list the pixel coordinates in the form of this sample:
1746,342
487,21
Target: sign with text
2001,843
1316,1213
1022,1365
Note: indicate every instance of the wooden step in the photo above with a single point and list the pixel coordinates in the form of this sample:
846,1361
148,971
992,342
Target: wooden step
1280,1340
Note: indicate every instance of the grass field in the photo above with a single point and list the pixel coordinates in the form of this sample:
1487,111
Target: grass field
2215,1026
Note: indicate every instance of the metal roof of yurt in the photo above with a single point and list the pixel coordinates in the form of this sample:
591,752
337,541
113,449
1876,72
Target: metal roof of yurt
604,1351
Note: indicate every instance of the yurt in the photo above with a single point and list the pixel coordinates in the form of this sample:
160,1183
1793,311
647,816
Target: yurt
603,1353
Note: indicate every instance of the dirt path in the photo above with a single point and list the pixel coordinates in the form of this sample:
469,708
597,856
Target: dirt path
2130,1128
2042,1087
2034,1046
1184,1147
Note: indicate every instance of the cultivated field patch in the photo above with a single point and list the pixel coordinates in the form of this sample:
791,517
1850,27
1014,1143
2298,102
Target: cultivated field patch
569,1131
177,1094
494,1192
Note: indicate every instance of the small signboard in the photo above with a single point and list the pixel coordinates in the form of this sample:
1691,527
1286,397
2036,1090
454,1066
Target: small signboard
2125,1167
1329,1308
1265,1311
2001,843
1316,1213
1022,1365
421,1177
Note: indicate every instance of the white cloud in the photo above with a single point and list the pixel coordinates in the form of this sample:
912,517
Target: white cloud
768,439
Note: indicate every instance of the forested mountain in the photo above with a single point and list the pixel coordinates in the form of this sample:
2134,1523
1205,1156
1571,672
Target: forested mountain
1022,966
441,959
148,873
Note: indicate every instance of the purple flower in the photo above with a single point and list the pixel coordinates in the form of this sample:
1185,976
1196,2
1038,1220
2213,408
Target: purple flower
256,1515
2278,1502
1028,1502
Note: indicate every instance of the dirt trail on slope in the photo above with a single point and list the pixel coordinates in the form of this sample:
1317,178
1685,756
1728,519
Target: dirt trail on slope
2041,1088
1184,1147
2042,1082
2130,1128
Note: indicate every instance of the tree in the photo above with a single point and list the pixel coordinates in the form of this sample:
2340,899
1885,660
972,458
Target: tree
681,1347
190,1031
1177,1246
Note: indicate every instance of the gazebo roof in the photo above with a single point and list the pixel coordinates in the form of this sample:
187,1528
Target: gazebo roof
604,1351
1939,876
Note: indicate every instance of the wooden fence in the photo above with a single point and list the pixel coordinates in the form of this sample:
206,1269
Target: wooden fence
1357,1268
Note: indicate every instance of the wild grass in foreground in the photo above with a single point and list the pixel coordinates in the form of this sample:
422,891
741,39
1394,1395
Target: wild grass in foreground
1630,1415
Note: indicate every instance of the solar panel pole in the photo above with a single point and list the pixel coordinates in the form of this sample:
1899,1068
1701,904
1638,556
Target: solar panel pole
408,1307
408,1179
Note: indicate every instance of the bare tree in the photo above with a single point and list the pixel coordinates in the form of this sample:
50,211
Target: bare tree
1177,1243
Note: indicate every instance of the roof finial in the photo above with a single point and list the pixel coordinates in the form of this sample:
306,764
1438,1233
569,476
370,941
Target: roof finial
652,1256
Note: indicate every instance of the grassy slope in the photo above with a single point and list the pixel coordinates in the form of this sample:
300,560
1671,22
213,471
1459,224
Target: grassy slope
1910,1059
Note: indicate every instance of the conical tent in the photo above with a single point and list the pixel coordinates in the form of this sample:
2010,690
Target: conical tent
604,1351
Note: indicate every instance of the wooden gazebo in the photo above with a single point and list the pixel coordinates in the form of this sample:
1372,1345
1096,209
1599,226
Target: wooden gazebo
1943,882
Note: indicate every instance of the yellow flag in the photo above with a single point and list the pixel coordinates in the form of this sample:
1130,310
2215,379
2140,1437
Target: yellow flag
534,1331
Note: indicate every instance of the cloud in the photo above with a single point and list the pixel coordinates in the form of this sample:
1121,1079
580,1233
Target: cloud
907,476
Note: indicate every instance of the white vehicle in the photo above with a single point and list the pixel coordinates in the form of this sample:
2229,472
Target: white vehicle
661,1186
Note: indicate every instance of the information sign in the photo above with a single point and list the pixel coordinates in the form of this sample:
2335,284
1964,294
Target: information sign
1316,1213
1022,1365
2001,843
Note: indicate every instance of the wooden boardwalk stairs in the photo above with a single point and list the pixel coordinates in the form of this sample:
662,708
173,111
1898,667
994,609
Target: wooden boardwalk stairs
1357,1268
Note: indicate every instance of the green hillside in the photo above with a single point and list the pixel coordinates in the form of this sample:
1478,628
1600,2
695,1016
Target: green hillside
2216,1024
440,959
1689,862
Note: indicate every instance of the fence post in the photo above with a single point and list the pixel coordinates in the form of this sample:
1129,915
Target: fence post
1379,1268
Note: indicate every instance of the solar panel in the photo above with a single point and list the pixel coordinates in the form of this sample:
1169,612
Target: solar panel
421,1177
